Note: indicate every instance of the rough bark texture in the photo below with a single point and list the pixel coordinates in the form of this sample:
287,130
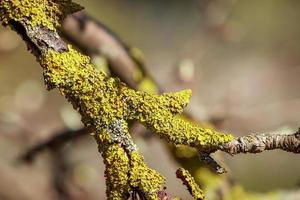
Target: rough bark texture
263,142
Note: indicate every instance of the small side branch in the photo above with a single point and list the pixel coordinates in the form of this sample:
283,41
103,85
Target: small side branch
190,183
253,144
263,142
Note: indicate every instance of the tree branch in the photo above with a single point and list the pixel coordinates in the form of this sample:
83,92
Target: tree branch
263,142
190,183
106,104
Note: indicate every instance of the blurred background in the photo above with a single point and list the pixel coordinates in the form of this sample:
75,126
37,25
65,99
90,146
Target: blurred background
240,58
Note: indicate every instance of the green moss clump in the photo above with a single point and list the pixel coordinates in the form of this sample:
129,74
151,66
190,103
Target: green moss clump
47,13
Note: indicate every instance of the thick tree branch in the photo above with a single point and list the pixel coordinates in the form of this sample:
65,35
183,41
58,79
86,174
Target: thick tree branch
106,104
94,38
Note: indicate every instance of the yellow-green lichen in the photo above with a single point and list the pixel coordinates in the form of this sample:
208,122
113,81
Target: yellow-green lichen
96,97
159,114
102,100
144,178
126,172
116,172
189,181
47,13
103,139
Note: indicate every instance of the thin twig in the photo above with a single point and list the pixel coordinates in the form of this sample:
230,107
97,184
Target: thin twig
253,144
263,142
